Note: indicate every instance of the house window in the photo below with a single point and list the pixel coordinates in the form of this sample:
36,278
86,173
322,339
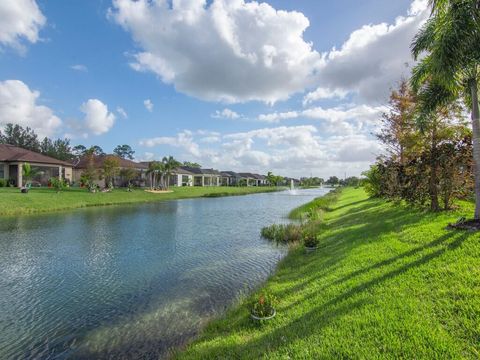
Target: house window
2,174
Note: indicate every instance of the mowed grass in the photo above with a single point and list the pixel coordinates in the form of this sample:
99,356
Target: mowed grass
389,282
12,202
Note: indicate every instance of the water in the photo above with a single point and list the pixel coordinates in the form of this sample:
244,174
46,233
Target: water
131,281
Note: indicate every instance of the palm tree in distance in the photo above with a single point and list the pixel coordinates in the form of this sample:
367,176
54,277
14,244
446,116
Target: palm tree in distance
169,165
449,69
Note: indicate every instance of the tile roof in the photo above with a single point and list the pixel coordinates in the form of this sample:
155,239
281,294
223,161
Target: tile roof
98,161
10,153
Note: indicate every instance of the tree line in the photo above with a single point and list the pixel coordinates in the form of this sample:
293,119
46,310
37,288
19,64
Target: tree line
61,149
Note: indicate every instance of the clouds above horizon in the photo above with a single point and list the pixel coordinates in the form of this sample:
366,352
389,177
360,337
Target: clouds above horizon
19,105
293,150
20,21
230,51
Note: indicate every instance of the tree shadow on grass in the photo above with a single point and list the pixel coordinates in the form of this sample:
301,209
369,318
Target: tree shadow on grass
276,336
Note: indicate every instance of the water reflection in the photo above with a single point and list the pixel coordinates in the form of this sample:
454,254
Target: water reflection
130,281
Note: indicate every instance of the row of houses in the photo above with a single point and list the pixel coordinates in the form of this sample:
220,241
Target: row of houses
12,159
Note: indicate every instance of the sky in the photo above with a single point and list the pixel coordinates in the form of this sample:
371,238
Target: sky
294,87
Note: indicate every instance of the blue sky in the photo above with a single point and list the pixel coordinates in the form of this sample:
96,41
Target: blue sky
228,89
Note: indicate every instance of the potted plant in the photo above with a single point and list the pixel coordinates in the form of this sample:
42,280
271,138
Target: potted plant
310,241
262,308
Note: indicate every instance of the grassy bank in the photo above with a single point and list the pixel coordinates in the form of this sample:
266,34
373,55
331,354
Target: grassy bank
44,199
388,282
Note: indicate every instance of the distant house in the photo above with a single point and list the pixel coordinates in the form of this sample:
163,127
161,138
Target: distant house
45,167
97,162
204,177
230,178
253,179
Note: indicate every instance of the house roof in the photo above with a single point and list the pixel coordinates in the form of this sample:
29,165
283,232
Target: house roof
12,153
98,161
229,174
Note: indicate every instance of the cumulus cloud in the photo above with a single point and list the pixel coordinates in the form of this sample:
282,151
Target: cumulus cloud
79,67
231,51
373,58
148,104
19,105
20,21
324,93
97,118
183,140
226,114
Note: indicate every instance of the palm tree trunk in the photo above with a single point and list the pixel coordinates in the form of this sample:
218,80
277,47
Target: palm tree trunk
476,143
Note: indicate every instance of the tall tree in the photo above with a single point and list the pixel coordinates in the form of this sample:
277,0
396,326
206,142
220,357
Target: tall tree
110,169
450,68
124,151
58,149
79,150
21,137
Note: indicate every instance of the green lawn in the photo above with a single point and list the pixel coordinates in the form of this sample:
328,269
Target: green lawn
45,199
389,282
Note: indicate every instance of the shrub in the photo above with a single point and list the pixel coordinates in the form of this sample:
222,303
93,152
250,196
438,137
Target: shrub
310,239
3,183
57,184
264,305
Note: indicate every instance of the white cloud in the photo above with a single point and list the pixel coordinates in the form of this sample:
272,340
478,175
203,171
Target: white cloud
79,67
342,119
20,20
97,117
121,111
183,140
148,104
323,93
372,60
231,51
19,105
226,114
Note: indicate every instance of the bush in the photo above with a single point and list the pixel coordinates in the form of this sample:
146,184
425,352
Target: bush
3,183
282,233
310,240
57,184
264,305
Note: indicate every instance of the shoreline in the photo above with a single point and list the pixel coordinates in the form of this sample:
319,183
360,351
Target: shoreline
342,300
45,200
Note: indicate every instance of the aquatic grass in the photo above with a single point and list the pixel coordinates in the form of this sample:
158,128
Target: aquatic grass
282,233
388,282
47,199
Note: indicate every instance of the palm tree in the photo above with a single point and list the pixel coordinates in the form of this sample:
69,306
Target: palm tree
28,173
152,172
450,69
169,165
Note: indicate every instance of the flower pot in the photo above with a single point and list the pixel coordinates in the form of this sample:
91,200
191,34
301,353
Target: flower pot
310,249
254,317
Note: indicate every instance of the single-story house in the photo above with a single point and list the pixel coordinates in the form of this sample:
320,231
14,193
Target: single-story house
203,177
45,167
97,162
230,178
252,179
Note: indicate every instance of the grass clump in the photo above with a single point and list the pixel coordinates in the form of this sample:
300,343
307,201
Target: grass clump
283,233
